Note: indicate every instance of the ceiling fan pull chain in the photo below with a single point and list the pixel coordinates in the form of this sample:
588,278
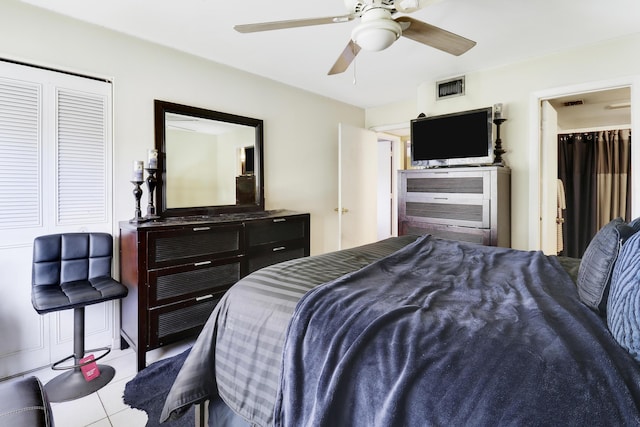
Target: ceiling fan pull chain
355,80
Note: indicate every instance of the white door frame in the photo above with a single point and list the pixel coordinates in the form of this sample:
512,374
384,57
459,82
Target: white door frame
535,144
548,179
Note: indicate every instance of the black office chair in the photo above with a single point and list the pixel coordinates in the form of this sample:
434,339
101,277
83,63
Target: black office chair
73,270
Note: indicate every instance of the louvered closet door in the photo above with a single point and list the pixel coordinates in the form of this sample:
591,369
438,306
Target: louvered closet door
55,176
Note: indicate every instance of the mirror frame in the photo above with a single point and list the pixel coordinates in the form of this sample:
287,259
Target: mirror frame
162,107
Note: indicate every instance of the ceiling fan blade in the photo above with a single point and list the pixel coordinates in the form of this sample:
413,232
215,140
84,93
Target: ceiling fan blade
433,36
345,59
279,25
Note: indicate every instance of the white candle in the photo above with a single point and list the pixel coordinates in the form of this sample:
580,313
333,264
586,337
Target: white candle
497,111
138,166
153,159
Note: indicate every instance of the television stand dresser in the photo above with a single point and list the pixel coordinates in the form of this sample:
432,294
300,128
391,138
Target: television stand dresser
471,204
177,269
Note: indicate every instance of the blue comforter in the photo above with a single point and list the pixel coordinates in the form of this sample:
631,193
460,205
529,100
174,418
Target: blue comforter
446,333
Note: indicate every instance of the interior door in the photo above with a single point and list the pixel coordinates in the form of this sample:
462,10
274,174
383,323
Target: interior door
549,180
358,169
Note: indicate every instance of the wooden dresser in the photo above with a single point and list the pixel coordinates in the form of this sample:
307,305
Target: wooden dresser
177,270
470,204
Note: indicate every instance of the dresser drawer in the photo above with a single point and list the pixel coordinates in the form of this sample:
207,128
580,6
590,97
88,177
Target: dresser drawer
463,234
277,254
436,183
174,322
450,211
193,244
173,284
265,232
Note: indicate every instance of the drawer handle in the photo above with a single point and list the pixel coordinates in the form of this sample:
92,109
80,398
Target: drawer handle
201,228
204,297
198,264
279,248
280,220
441,198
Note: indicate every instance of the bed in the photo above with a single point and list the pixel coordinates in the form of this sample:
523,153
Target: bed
425,331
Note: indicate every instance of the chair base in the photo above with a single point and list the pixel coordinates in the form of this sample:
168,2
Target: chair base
72,385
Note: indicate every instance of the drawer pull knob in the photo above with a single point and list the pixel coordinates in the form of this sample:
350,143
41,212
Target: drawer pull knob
279,248
204,297
198,264
280,220
201,228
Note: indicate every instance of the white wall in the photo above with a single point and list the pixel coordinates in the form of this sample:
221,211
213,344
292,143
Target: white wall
202,180
515,85
301,129
393,114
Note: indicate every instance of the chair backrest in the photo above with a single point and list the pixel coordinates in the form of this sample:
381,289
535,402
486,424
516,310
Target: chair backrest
68,257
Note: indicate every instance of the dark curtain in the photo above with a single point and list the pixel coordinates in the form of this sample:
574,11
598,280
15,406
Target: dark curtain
577,171
594,168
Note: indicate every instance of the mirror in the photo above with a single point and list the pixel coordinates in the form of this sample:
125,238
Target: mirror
208,162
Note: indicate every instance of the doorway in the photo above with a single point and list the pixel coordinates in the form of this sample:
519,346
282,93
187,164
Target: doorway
367,175
585,108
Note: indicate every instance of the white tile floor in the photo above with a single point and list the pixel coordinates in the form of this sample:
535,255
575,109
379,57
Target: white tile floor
105,407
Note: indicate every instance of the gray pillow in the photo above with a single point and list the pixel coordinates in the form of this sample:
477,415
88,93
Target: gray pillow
594,274
623,307
635,224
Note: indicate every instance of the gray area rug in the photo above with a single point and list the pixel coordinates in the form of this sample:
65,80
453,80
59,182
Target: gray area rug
148,390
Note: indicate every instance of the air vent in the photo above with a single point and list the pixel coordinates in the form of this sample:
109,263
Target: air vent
573,103
450,87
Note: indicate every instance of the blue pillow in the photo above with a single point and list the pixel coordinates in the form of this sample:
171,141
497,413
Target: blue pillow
623,307
594,274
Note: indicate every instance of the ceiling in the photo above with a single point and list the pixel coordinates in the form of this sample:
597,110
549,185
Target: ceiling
597,109
505,31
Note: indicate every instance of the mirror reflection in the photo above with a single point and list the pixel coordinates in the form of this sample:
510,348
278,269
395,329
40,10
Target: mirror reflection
208,162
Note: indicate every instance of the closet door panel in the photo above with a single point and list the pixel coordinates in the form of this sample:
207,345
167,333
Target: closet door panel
55,176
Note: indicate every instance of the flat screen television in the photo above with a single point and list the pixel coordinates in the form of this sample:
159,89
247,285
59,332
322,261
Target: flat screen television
456,139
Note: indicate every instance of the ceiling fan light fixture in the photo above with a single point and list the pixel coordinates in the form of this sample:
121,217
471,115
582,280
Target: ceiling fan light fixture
409,6
377,31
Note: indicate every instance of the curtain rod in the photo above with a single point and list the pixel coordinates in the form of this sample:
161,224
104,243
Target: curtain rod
12,61
595,129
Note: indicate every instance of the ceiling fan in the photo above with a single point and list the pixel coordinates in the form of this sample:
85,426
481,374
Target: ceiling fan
377,29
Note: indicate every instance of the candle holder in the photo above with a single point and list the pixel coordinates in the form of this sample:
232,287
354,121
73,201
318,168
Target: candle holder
137,193
151,185
498,151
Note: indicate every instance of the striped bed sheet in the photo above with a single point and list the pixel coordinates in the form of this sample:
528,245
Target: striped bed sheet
243,340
